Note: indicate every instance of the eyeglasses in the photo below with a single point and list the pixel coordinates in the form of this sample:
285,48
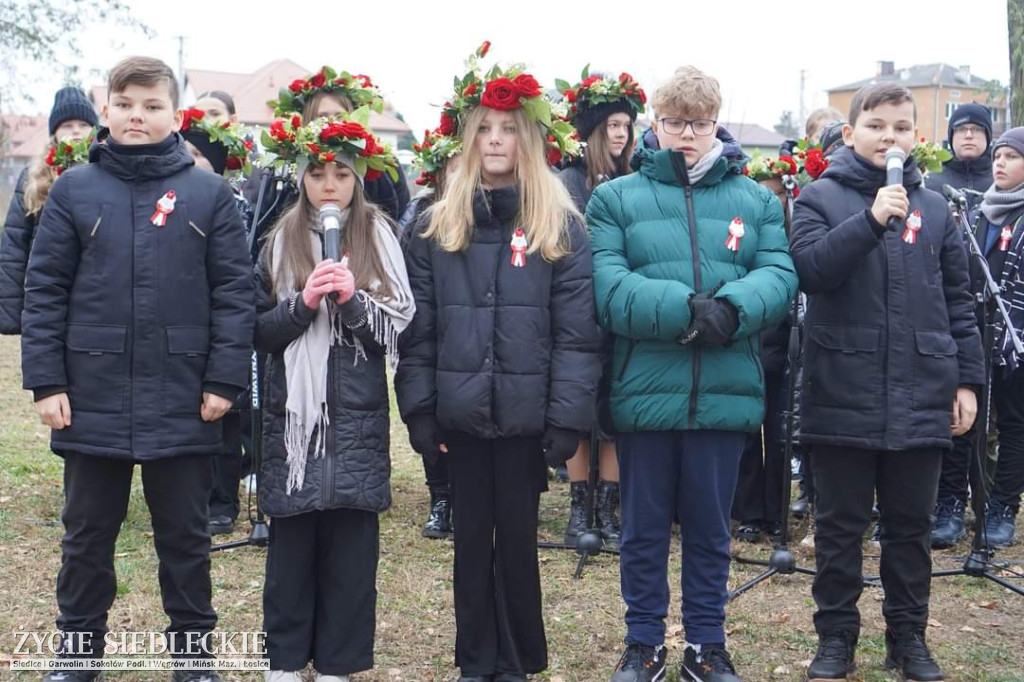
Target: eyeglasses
677,126
969,130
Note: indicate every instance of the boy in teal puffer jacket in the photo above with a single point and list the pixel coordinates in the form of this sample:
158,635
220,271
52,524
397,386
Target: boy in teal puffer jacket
690,264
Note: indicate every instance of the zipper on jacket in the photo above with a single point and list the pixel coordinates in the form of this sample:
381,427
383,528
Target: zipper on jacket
96,226
196,228
327,492
697,286
629,357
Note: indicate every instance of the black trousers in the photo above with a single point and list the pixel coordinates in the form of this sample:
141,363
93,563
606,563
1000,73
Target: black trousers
437,473
227,468
1008,396
758,495
846,480
96,493
496,487
1008,401
320,595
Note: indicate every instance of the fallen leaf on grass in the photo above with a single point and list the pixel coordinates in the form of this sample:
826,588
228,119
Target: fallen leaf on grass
782,670
934,623
988,604
967,628
993,625
779,619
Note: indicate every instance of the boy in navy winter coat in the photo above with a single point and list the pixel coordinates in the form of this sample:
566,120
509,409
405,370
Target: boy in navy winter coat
137,335
892,358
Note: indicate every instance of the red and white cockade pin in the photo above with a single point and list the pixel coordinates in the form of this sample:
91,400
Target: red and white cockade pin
1004,238
736,233
164,208
913,227
519,246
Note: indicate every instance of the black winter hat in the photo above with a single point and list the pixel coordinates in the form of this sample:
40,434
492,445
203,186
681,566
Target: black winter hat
215,152
588,119
971,113
831,137
1012,138
71,104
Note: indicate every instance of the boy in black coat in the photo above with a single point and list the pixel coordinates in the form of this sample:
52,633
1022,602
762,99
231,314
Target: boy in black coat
892,360
137,335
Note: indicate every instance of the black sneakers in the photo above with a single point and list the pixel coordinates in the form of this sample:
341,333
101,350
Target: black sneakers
641,663
906,649
834,660
707,663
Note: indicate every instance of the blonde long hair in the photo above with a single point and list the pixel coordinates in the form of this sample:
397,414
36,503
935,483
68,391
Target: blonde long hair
545,206
359,239
40,179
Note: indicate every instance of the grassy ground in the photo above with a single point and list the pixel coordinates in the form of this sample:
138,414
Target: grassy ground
975,630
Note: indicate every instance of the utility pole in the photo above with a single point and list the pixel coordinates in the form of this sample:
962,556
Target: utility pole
802,121
181,61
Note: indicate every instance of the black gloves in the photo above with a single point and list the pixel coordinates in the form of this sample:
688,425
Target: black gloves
425,436
713,321
559,445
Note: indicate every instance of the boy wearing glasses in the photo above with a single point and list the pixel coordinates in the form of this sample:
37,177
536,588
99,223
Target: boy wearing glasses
690,264
970,140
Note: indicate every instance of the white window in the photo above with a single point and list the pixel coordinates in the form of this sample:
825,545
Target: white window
950,108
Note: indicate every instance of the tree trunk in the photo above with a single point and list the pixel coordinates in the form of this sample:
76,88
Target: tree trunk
1015,24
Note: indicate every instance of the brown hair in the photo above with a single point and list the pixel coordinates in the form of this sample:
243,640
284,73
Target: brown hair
41,176
871,96
359,239
144,71
820,118
601,165
223,97
545,206
690,92
309,110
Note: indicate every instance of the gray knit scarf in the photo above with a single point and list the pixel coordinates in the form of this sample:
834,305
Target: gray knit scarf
306,358
704,164
998,204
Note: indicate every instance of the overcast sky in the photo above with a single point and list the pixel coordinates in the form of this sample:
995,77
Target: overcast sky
413,49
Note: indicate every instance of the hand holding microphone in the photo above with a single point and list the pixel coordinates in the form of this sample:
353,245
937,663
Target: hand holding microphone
343,285
891,203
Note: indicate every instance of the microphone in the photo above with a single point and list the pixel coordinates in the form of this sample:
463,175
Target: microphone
894,160
330,221
954,196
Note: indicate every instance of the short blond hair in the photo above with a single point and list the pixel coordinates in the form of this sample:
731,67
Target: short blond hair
820,118
690,92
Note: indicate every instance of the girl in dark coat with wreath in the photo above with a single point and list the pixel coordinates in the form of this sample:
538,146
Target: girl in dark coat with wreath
72,118
501,363
328,327
603,110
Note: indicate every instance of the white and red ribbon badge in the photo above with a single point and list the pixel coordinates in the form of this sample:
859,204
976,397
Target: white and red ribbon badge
519,246
913,227
1004,238
736,233
164,208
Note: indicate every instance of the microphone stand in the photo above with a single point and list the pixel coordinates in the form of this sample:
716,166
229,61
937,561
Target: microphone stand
259,534
977,564
782,561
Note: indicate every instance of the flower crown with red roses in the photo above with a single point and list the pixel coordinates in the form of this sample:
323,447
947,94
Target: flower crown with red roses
506,90
231,135
930,156
67,153
594,90
322,141
805,165
432,153
359,90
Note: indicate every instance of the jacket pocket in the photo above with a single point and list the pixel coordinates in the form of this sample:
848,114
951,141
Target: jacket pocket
936,371
99,238
843,367
188,241
187,351
97,367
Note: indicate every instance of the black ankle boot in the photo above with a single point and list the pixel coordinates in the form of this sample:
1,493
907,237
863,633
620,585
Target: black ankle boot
439,523
607,513
577,512
906,649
